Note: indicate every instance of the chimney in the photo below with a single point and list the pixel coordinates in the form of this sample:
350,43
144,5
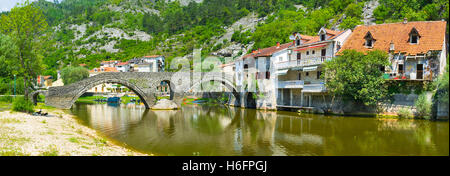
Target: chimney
405,20
259,50
278,44
254,51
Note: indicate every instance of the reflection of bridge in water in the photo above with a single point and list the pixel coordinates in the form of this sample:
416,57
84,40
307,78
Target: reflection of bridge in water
144,85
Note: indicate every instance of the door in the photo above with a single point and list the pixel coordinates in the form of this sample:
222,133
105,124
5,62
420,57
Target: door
323,54
419,74
299,57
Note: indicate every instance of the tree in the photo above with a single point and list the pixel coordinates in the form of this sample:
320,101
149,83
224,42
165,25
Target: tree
7,53
356,76
350,23
25,24
71,75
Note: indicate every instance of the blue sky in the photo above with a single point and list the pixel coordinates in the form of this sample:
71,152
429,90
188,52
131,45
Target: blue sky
6,5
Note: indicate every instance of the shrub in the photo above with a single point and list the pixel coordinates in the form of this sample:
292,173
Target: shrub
405,113
20,104
423,106
6,98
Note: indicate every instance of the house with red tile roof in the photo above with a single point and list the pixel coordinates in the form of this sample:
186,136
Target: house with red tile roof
123,67
111,63
298,69
292,69
417,50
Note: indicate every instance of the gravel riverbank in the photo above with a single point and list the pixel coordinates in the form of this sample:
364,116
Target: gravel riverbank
58,135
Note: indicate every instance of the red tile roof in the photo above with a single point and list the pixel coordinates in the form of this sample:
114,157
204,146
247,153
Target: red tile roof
152,56
122,63
266,52
105,69
432,34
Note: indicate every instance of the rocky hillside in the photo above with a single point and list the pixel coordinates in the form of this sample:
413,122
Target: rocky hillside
89,31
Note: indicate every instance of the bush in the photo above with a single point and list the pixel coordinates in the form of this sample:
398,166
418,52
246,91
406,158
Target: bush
405,113
6,98
423,106
20,104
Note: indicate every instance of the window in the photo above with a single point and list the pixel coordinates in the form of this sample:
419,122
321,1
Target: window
297,42
369,40
299,56
400,68
414,39
322,37
307,73
280,59
299,76
313,52
414,36
307,52
318,74
369,43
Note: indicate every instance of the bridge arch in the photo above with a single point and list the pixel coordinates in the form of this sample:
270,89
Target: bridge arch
225,82
34,95
146,100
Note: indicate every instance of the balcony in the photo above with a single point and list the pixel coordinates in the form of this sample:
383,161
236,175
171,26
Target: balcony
314,88
295,84
303,62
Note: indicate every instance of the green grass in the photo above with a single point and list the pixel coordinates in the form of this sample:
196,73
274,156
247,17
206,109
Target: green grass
74,140
43,106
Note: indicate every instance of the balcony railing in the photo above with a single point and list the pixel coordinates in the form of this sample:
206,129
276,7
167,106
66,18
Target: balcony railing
302,62
291,84
314,88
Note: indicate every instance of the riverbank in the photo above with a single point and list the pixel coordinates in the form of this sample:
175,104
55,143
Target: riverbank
59,134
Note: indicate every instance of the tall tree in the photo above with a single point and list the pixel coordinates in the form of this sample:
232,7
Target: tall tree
25,24
356,76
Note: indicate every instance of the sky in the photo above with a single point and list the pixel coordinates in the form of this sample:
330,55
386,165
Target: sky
6,5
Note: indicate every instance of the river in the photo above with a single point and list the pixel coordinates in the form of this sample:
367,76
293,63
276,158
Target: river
217,130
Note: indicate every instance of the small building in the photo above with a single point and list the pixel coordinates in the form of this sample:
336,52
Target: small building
123,67
108,63
44,81
154,63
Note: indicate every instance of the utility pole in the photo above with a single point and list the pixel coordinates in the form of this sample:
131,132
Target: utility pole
14,86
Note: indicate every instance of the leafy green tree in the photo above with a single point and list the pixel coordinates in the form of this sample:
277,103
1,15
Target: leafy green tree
350,23
356,76
7,54
71,75
25,24
353,10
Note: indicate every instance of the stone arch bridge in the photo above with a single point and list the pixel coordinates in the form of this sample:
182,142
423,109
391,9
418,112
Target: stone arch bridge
143,84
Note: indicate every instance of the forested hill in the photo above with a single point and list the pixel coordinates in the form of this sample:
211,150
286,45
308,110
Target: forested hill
89,31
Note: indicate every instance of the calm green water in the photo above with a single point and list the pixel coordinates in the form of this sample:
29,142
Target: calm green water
201,130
